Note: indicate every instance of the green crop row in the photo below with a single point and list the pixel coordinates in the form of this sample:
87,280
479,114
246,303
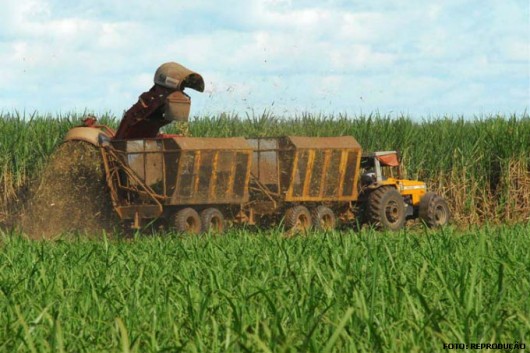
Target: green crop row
261,292
480,165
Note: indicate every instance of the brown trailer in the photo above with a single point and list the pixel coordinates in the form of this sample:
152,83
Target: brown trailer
191,182
308,180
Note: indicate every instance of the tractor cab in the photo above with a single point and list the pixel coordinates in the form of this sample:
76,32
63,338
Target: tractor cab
384,168
377,167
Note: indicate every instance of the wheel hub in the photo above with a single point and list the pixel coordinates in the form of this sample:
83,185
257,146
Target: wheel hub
326,221
440,215
302,222
190,223
392,212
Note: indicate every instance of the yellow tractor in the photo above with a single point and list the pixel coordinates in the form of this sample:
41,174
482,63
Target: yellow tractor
389,200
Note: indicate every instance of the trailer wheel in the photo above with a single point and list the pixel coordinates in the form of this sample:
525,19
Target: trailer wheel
323,218
187,221
212,221
386,209
297,219
433,210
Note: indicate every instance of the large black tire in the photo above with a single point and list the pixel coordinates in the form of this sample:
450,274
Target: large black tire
187,221
297,220
323,218
433,210
212,221
386,209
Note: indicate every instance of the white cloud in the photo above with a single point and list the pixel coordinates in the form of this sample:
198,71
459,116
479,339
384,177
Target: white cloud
329,56
516,49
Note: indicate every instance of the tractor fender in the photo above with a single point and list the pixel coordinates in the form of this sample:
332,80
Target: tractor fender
384,183
91,135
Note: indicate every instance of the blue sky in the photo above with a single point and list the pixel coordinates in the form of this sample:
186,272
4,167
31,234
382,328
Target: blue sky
422,58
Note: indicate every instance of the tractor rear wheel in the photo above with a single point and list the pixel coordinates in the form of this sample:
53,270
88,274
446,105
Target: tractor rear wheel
212,221
187,221
433,210
386,209
297,220
323,218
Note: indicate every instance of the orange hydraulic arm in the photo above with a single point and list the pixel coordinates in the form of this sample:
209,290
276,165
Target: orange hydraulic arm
145,118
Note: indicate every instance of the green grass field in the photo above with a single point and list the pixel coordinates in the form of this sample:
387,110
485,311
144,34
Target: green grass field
261,292
257,291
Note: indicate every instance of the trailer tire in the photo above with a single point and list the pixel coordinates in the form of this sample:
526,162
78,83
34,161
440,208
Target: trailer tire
212,221
386,209
433,210
323,218
297,220
187,221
